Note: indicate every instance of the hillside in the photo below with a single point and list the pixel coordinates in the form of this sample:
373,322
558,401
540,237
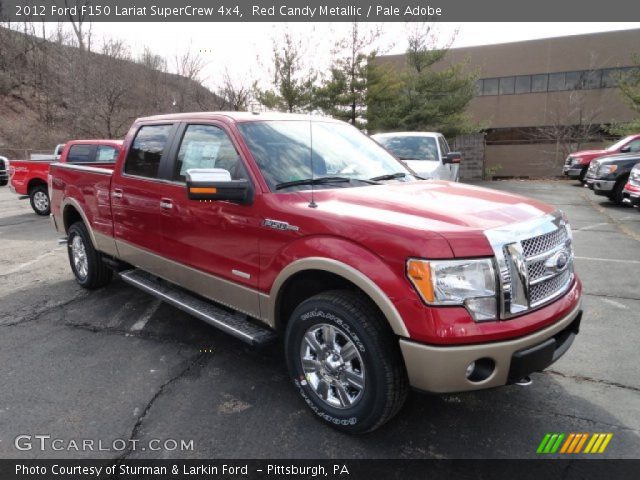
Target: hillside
50,92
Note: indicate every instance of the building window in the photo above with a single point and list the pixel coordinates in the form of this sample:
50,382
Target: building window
507,85
539,82
490,86
523,84
553,82
556,81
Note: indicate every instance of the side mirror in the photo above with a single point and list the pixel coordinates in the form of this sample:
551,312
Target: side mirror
216,184
452,157
625,149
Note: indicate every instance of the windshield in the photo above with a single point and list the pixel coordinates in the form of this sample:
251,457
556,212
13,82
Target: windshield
618,144
411,148
282,150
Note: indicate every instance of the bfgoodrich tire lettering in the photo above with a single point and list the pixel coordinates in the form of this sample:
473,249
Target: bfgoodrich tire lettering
379,386
86,263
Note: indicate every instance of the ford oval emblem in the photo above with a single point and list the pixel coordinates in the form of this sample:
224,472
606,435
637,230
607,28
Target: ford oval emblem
558,262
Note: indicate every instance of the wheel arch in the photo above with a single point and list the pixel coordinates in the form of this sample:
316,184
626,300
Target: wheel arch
35,182
335,273
71,213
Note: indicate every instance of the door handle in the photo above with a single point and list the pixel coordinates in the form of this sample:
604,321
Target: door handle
117,193
166,204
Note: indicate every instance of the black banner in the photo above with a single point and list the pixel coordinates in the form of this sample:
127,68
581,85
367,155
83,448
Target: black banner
331,469
318,10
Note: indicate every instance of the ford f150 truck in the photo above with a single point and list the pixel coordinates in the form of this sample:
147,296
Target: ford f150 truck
577,163
608,175
631,190
29,177
272,224
4,171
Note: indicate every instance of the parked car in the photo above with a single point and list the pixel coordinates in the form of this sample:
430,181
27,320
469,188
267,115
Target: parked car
577,163
608,175
57,153
631,190
426,153
4,171
374,279
29,177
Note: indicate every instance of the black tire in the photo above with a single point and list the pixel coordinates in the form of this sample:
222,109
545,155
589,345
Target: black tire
354,318
583,173
97,274
3,182
39,198
617,195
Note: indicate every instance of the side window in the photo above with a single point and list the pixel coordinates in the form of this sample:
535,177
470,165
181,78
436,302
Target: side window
79,154
146,150
444,146
106,154
207,146
634,146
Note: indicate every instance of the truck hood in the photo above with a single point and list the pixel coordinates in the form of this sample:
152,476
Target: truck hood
414,212
588,153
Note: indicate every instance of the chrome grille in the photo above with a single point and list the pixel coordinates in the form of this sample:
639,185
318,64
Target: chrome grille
543,243
535,262
543,291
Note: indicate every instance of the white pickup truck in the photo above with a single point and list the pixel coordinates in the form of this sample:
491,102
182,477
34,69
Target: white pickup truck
48,156
426,153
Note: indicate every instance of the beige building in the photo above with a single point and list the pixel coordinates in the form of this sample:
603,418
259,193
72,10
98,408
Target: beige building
530,92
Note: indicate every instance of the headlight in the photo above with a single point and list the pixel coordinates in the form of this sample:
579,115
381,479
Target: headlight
471,283
574,160
607,169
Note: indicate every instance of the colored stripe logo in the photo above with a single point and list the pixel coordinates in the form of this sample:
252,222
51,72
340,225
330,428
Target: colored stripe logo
574,443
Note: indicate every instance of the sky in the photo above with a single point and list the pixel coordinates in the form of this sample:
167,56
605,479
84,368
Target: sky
244,49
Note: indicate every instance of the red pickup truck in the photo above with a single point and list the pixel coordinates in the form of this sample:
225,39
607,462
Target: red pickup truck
577,163
272,224
29,177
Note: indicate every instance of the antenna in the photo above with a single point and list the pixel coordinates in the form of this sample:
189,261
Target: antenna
312,204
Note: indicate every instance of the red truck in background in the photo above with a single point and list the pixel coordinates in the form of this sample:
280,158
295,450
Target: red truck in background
29,177
577,163
268,225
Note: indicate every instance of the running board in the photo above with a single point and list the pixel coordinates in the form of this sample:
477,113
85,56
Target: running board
233,323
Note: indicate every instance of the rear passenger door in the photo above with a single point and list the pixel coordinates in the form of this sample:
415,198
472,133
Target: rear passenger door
137,192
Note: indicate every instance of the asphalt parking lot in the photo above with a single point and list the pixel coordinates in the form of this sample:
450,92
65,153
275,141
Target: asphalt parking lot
119,364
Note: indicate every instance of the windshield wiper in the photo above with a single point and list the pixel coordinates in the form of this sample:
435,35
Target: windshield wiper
390,176
312,181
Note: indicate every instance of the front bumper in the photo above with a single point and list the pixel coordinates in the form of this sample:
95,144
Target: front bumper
572,171
443,369
633,194
603,187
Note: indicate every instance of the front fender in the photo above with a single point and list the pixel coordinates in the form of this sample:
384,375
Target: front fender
384,284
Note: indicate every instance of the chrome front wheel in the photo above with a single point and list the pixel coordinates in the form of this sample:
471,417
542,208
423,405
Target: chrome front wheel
332,366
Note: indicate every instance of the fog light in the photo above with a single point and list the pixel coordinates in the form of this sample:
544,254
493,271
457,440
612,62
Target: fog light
470,369
480,370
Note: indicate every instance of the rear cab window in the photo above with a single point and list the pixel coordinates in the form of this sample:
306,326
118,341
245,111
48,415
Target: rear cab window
147,148
106,154
80,154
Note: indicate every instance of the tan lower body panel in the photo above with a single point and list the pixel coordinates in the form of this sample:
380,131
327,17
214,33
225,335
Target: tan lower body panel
227,293
442,369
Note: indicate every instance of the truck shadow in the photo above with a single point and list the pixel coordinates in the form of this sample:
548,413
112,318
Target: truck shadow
238,402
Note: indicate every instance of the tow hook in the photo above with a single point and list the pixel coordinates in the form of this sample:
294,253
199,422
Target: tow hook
524,381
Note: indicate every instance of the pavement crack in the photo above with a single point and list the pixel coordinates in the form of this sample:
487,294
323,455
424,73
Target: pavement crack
45,311
601,295
133,436
581,378
128,333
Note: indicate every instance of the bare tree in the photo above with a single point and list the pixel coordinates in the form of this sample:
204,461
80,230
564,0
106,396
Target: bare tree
234,95
189,65
78,23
